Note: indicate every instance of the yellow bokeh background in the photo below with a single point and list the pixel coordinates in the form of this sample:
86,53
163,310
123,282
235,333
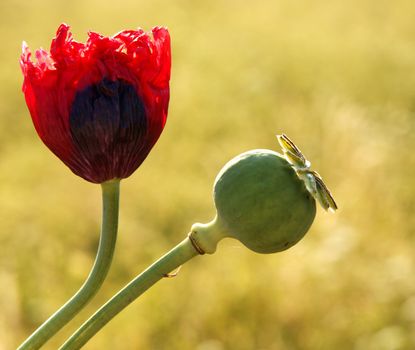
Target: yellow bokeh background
338,77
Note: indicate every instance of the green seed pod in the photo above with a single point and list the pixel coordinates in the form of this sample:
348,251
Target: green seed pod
262,202
265,200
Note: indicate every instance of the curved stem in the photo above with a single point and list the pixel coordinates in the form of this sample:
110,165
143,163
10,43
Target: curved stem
176,257
110,199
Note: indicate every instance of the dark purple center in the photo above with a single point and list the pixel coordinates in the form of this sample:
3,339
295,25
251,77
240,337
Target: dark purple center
108,126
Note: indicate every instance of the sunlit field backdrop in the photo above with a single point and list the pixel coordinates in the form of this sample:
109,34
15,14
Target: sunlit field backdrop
337,76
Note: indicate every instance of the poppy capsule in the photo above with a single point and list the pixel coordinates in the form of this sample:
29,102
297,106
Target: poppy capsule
100,106
264,199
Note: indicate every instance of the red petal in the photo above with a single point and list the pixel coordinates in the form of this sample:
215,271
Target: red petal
50,84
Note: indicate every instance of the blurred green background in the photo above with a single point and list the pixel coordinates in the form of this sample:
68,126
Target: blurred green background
337,76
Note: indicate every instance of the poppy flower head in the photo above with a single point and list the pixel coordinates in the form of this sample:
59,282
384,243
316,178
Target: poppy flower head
100,106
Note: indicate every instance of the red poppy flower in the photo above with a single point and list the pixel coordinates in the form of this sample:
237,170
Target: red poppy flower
100,106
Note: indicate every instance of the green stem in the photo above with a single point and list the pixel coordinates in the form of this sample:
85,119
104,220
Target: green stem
110,199
180,254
